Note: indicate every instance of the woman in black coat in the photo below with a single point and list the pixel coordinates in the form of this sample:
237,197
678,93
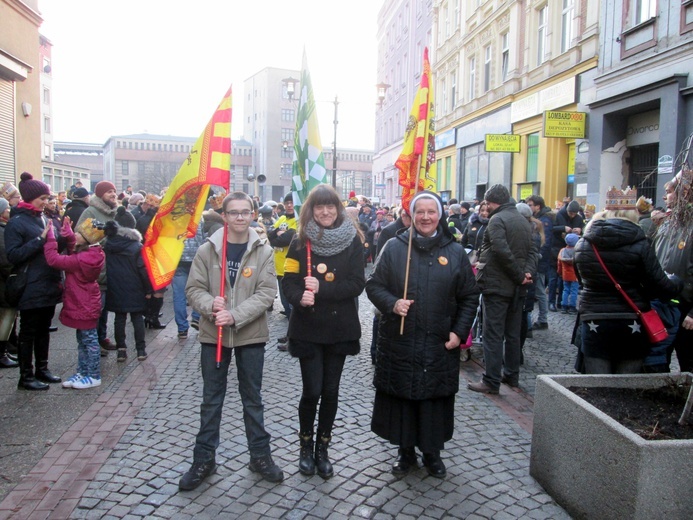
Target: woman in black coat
324,326
613,341
417,373
25,235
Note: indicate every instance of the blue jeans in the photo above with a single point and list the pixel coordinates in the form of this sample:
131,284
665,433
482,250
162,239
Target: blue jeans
570,292
250,361
88,353
180,302
540,284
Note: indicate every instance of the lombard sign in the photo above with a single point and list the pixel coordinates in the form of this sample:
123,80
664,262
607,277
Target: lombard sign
502,143
643,128
565,124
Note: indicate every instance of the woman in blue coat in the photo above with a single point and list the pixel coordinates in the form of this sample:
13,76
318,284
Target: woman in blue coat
25,235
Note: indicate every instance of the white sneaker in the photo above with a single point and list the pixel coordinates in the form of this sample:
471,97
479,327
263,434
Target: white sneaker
86,382
68,383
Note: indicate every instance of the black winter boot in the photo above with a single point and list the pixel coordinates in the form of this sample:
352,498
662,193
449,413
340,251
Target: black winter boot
153,307
27,381
322,462
306,462
41,343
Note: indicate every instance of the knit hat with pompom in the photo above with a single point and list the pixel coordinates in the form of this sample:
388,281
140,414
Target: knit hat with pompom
30,188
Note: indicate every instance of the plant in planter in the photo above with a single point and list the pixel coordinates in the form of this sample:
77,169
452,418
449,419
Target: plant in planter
595,467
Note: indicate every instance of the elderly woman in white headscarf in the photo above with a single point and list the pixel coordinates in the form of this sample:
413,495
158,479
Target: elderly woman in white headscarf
417,373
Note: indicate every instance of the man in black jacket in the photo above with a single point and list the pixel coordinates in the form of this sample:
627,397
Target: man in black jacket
508,257
75,208
568,220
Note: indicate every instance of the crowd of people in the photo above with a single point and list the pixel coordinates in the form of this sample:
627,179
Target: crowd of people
57,248
439,268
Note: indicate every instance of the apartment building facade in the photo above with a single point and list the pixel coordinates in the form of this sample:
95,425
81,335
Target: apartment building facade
499,66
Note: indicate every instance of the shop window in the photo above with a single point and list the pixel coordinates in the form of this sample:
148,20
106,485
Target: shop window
532,172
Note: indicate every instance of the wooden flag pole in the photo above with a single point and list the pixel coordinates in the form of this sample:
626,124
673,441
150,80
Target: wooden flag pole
222,291
411,236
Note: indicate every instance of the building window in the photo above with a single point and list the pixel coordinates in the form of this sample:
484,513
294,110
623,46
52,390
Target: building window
542,29
288,134
487,69
47,151
446,21
124,167
532,157
476,169
456,16
46,96
47,125
288,114
505,56
472,78
643,10
444,99
567,24
453,89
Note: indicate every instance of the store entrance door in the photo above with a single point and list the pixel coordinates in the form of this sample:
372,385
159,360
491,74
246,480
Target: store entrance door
643,170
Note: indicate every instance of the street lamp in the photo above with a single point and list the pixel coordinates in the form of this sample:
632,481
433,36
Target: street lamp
290,87
382,90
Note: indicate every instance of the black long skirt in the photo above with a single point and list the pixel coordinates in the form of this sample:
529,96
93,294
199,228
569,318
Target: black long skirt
426,424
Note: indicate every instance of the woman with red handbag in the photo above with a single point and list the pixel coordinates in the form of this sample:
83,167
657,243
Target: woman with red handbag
620,275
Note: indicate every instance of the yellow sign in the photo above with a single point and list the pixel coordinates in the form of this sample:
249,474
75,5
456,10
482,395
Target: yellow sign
565,124
502,143
526,190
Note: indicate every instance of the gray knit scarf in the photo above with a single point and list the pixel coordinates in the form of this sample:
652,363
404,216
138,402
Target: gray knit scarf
329,242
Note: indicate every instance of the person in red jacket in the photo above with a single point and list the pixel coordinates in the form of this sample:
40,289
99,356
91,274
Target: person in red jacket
82,296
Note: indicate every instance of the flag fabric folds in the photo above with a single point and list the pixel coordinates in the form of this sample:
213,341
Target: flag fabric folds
208,164
308,169
417,162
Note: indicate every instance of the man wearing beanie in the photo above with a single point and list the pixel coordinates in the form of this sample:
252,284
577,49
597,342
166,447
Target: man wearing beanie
568,220
102,207
75,208
507,257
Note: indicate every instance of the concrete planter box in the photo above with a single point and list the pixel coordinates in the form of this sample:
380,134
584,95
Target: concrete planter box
596,468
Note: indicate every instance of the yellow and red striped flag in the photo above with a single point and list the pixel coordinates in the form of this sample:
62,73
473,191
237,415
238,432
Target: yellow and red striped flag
208,164
417,162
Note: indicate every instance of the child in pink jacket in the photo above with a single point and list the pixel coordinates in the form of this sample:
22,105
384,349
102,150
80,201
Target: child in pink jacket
81,295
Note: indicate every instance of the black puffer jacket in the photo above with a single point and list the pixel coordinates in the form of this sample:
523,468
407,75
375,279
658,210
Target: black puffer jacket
416,365
128,282
631,260
23,244
507,253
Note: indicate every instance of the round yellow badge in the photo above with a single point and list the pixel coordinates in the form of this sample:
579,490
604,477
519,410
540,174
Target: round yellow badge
329,277
322,268
247,272
442,260
682,244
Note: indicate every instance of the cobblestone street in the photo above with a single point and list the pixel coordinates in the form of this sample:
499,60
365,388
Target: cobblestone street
123,456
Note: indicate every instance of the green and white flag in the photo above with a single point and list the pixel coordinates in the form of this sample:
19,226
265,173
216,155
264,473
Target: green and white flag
309,163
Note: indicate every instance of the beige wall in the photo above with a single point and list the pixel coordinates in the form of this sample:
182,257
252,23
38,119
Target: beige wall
19,37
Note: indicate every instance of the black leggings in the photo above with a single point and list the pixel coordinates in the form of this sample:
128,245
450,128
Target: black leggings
321,375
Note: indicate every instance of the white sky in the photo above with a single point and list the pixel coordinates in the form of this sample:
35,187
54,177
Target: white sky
161,66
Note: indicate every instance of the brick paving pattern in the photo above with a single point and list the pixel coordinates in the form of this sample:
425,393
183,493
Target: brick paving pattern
124,456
